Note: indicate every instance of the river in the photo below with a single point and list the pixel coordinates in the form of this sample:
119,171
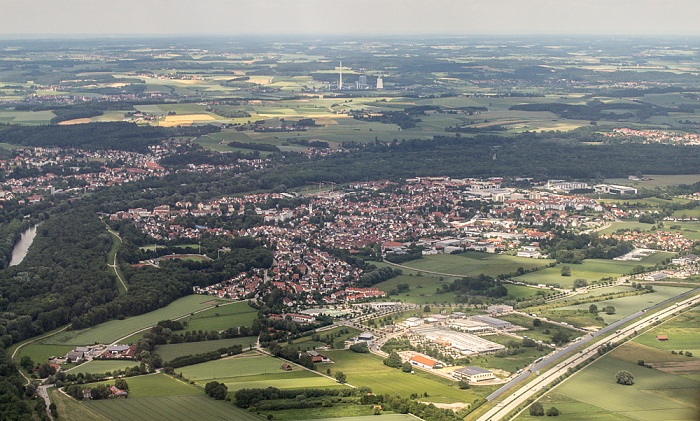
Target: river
22,246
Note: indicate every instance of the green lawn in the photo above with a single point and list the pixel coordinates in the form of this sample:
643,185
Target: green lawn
475,263
222,318
169,352
169,408
115,329
40,353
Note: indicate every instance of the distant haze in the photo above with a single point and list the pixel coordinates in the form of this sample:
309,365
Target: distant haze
326,17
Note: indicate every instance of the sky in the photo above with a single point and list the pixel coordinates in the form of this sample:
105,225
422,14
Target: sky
34,18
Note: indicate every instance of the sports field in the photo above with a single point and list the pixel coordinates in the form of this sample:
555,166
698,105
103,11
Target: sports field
116,329
475,263
252,370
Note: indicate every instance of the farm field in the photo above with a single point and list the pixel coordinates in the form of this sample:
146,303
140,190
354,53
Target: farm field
591,270
368,370
153,385
116,329
628,305
171,351
347,412
254,370
169,408
475,263
70,409
222,317
655,395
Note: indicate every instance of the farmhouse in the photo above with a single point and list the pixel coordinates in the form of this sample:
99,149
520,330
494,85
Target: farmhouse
119,351
425,362
75,356
473,374
118,393
318,358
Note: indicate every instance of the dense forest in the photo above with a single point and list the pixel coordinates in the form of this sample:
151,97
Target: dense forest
92,136
55,284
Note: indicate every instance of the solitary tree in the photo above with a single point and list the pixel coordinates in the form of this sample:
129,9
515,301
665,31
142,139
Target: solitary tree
552,412
537,322
565,271
340,376
580,283
624,377
536,409
593,309
609,310
121,384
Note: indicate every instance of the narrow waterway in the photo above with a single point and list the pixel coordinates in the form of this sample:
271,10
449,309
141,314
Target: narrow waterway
22,246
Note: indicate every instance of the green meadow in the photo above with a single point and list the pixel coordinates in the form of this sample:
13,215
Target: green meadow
625,306
222,317
368,370
591,270
171,351
253,370
655,395
475,263
116,329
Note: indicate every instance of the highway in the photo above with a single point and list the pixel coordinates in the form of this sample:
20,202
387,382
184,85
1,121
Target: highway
511,402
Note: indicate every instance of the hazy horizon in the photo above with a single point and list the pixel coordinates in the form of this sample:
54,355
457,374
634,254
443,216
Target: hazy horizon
126,18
